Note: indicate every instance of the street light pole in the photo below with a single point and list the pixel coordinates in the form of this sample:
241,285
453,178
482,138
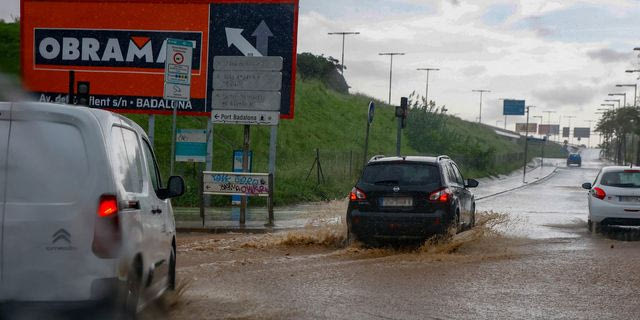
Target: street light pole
426,94
589,138
613,100
542,155
391,54
481,91
343,34
635,93
526,147
620,94
548,121
570,117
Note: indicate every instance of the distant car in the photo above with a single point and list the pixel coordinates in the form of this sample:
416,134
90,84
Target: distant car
85,218
574,159
409,198
614,198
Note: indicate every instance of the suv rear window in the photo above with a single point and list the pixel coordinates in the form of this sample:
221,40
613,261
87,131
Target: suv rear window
401,173
621,179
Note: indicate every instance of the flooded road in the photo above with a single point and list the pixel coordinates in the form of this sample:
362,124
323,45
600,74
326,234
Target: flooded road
541,264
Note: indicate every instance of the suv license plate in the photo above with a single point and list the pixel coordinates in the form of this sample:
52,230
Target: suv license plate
397,202
630,199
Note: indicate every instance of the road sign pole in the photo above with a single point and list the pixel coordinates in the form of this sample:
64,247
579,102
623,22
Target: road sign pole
245,168
173,137
270,222
399,137
366,145
273,143
152,128
209,159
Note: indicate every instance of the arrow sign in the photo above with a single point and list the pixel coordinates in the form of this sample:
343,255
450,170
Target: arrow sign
262,34
234,37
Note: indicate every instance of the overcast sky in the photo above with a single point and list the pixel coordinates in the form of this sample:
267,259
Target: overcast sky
560,55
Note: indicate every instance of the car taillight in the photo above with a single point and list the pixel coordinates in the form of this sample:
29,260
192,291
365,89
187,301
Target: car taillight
108,206
442,195
357,195
598,193
107,238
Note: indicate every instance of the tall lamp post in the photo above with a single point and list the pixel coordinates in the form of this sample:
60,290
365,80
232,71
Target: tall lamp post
589,139
620,94
391,54
481,91
548,121
426,94
613,100
635,93
570,117
542,155
344,35
526,146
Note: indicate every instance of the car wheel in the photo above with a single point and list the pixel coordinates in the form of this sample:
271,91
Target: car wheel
455,222
351,236
593,226
473,218
172,270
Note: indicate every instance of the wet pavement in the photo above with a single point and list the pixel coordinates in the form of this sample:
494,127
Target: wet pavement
541,263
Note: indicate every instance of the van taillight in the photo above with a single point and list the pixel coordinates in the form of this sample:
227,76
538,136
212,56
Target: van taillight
107,238
108,206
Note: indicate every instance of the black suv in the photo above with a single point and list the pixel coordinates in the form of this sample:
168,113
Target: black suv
409,198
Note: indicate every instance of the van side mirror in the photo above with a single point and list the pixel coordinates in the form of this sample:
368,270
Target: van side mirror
471,183
586,186
175,188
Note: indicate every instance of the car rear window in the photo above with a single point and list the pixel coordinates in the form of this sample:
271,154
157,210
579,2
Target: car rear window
401,173
621,179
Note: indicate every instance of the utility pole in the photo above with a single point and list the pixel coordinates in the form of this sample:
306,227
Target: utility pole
391,54
426,94
570,117
481,91
526,147
343,34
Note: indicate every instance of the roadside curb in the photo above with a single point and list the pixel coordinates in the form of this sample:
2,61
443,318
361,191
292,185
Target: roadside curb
543,179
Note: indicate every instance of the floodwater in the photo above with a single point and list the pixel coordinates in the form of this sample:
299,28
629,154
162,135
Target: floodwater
530,257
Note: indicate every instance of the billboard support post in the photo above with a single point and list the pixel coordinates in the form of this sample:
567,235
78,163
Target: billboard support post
72,80
245,169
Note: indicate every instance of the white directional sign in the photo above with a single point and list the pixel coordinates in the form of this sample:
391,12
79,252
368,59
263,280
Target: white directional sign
247,80
177,70
246,100
245,117
239,63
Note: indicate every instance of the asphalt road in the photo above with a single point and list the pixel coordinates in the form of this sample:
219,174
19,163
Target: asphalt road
543,264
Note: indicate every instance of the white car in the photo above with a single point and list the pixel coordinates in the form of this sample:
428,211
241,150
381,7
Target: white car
614,197
83,215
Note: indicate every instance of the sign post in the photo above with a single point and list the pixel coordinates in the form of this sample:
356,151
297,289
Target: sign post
372,108
177,81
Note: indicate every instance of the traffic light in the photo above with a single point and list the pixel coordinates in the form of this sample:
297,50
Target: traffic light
83,93
404,105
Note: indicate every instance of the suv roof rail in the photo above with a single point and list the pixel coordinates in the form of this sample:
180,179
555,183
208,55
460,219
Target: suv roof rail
376,157
443,157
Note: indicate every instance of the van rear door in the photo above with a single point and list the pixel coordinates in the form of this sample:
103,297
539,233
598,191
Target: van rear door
5,125
53,184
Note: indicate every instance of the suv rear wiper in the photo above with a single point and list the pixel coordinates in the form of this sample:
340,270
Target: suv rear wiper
386,182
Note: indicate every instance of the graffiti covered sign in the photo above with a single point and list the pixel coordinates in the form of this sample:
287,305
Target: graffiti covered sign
235,183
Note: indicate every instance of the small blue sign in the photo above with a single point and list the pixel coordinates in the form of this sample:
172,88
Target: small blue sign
513,108
191,145
237,167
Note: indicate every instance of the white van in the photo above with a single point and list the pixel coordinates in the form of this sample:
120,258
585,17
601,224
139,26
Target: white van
83,215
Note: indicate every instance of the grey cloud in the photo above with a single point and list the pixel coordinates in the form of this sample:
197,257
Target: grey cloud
473,71
608,55
561,96
455,2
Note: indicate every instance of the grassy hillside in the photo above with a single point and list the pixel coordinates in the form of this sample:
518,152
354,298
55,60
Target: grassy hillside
334,124
9,47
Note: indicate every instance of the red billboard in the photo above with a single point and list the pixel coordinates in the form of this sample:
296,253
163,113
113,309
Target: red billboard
119,48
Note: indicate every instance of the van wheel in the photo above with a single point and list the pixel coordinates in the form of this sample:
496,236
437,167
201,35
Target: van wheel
132,294
172,270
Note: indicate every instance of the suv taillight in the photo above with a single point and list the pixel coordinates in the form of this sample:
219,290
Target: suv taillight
357,195
107,238
598,193
442,195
